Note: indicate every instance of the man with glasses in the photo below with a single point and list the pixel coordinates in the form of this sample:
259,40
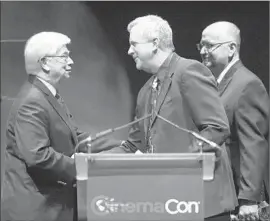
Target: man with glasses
184,92
246,103
39,168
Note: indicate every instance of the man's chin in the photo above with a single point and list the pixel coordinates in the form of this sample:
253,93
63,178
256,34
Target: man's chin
67,74
138,66
207,63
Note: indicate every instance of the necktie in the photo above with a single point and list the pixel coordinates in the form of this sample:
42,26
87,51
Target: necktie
59,99
155,89
155,93
62,103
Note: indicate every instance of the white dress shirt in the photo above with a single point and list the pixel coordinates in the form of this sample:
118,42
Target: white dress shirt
49,86
223,73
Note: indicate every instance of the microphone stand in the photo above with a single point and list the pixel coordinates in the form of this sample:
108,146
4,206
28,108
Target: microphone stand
107,132
198,136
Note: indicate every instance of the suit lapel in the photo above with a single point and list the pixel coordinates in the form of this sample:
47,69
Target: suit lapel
53,101
228,77
165,86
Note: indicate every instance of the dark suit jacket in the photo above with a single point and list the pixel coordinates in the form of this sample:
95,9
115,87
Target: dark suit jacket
188,98
247,106
40,141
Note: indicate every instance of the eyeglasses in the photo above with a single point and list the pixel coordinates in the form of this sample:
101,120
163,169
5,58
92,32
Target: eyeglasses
134,43
210,47
64,57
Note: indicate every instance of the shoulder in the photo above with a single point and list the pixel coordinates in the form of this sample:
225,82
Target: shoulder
190,70
249,90
31,98
29,103
187,62
244,79
190,66
33,94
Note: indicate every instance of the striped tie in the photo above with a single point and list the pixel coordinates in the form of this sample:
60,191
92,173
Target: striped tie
154,96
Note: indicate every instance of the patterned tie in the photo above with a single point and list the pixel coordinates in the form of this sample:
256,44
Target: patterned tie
154,96
62,103
155,93
59,99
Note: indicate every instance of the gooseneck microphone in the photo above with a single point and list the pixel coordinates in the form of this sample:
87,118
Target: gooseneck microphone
198,136
108,131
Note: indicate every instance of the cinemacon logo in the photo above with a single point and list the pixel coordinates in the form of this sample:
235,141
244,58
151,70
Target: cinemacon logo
104,205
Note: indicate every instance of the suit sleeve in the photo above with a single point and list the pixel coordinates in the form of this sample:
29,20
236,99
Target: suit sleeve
132,144
32,138
251,117
81,135
101,145
134,139
200,94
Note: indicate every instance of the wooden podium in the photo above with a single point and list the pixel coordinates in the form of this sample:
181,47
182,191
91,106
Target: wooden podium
130,187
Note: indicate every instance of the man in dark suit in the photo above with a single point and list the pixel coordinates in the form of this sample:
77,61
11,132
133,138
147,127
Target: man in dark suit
41,136
247,106
184,92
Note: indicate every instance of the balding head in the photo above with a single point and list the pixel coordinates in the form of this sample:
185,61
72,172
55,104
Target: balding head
219,45
223,31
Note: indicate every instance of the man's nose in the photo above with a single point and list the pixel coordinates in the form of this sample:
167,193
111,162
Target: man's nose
130,50
203,50
70,61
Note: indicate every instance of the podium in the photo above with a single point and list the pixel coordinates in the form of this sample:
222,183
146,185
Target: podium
130,187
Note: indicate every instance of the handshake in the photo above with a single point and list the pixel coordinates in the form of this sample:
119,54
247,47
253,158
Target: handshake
89,144
95,144
100,142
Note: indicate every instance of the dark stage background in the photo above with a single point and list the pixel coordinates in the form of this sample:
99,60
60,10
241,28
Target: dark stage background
104,84
188,19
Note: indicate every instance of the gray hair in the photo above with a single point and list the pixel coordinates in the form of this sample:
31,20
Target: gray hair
155,27
41,45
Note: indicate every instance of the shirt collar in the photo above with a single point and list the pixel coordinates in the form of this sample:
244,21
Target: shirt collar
49,86
223,73
164,67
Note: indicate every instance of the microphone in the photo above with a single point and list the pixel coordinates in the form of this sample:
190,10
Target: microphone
108,131
198,136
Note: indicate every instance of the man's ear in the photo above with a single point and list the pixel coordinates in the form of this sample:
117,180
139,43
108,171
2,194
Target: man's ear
233,49
156,44
43,64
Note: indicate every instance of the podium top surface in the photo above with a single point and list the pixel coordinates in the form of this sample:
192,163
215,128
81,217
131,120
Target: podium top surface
152,156
87,164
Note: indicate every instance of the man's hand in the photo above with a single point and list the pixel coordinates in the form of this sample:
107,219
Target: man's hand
103,144
138,152
98,145
196,146
199,146
248,211
83,146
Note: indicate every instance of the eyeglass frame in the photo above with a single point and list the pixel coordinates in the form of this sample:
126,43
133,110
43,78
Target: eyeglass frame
58,56
135,43
211,49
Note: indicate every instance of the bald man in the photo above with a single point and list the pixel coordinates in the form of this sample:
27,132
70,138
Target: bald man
246,103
